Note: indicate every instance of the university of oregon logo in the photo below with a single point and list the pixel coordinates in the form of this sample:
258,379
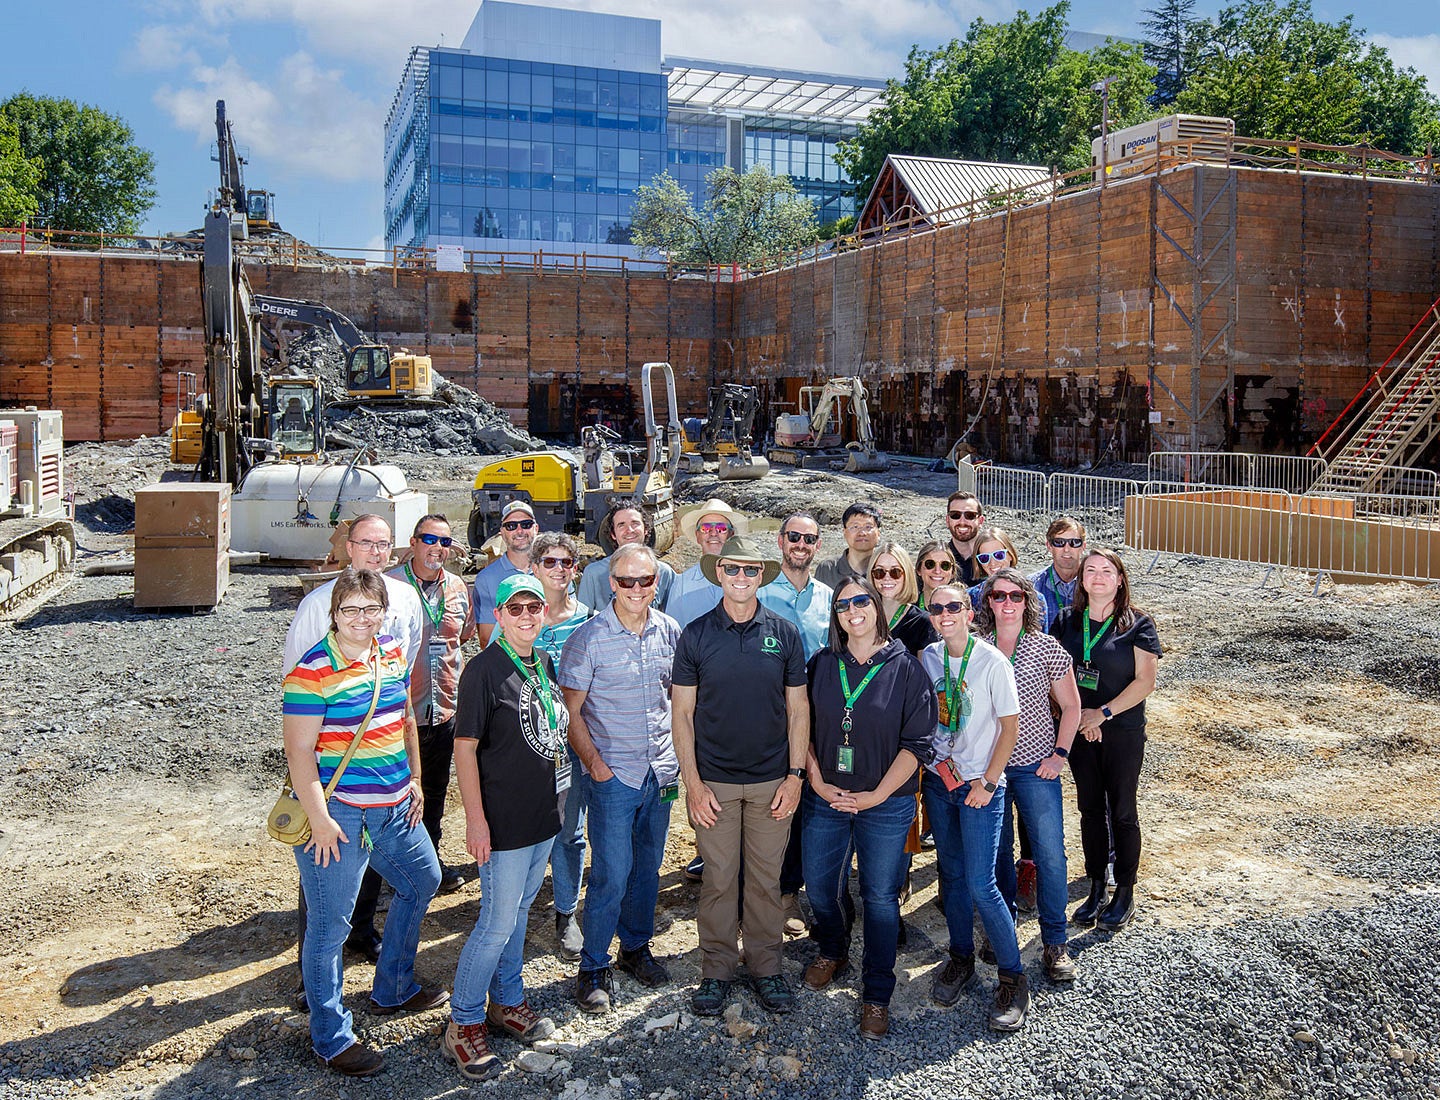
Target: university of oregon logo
771,644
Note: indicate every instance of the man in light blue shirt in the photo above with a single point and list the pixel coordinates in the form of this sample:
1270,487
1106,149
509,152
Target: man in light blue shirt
794,593
710,524
627,524
518,529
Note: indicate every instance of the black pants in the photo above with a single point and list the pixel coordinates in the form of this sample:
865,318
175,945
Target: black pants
437,752
1107,778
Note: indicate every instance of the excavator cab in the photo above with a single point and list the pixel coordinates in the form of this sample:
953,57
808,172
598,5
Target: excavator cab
373,371
260,210
296,426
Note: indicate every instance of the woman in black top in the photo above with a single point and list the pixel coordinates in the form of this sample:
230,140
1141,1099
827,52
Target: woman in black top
1116,652
892,572
872,718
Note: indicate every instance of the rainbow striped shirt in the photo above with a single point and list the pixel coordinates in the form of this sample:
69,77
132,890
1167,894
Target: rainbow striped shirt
327,685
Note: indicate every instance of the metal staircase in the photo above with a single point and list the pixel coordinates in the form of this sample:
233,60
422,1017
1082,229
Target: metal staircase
1391,421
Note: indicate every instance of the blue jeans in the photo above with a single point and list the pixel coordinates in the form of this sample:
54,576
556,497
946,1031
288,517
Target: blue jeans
877,836
567,858
1042,807
966,843
493,957
627,843
404,856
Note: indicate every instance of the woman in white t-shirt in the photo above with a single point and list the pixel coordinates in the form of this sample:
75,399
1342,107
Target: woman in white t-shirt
979,721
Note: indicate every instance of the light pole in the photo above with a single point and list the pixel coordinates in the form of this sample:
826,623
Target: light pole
1102,87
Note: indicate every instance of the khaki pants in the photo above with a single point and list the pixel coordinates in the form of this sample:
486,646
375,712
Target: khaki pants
744,830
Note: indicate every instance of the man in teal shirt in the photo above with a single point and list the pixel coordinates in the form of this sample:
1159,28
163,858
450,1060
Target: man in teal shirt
794,593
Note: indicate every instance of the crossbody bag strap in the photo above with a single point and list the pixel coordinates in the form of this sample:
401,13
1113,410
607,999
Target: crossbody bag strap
360,732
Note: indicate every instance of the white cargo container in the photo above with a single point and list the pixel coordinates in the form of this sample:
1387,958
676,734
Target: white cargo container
1132,149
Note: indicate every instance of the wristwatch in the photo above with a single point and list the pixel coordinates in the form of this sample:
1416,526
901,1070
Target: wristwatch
799,773
1106,711
987,784
1063,754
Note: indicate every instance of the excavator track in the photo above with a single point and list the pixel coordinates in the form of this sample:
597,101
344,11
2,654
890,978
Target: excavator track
35,554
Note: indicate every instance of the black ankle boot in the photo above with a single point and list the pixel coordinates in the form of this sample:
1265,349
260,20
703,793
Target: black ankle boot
1091,906
1119,912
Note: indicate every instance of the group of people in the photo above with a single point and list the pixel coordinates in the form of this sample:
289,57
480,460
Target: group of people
821,717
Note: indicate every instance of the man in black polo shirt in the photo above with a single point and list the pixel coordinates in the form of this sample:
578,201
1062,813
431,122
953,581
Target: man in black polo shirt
740,720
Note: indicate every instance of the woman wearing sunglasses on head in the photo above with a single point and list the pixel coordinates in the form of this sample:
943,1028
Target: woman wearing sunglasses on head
994,550
933,567
872,721
892,573
1116,652
1011,613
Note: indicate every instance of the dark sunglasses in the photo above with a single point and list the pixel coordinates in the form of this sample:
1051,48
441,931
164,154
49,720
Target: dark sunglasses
522,524
1013,597
994,555
432,540
630,582
557,563
944,563
965,515
526,607
748,570
862,600
801,536
895,573
1057,543
954,607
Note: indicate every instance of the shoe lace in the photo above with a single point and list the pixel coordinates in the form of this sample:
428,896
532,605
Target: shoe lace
1004,995
522,1013
476,1037
873,1010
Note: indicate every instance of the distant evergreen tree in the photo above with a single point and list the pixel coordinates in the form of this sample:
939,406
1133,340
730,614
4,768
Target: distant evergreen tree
1171,42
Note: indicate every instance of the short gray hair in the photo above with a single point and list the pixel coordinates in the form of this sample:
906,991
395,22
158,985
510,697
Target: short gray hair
634,549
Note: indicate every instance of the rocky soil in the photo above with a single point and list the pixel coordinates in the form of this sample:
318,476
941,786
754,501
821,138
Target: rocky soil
1286,946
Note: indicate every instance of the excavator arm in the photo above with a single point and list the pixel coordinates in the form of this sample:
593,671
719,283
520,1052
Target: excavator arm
312,313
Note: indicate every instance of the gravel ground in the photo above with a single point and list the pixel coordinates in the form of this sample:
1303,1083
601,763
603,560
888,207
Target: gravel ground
1286,943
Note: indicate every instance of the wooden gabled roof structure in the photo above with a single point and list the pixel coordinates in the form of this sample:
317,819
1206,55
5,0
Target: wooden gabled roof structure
939,190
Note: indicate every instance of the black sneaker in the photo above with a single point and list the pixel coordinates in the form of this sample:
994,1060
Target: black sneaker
451,879
709,999
640,964
595,990
365,943
694,870
958,973
773,994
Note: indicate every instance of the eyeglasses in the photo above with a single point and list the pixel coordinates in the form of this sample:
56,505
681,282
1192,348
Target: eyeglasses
748,570
431,540
369,611
630,582
895,573
994,555
862,600
801,536
557,563
1012,596
967,513
862,528
521,524
1058,543
528,607
375,546
944,563
714,528
954,607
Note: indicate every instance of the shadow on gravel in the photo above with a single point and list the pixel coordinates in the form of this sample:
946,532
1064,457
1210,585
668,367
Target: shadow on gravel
116,610
109,515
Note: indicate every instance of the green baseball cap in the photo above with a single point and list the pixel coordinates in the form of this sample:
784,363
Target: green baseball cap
515,583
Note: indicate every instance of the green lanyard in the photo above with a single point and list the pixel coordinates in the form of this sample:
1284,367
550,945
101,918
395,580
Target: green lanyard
955,685
853,697
1089,643
539,682
1016,651
899,614
431,611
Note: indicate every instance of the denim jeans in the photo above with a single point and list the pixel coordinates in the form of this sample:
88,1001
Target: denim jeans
403,854
1042,809
493,958
567,857
627,843
966,842
877,836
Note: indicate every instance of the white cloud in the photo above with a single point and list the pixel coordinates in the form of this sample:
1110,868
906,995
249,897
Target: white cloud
1420,52
161,47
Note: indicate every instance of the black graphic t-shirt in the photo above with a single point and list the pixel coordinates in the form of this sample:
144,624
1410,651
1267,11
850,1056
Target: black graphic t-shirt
517,748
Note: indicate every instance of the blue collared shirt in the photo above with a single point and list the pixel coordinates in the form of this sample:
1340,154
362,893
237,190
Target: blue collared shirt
487,586
1056,593
808,609
626,678
691,596
595,590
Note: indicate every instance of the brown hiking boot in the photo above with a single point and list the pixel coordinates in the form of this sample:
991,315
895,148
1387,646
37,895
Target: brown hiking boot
874,1021
356,1060
1012,1003
1059,966
794,916
520,1021
469,1046
823,971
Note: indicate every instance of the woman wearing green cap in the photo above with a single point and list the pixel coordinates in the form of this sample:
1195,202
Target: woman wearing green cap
513,769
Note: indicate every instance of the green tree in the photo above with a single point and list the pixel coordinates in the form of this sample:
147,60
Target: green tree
92,174
744,219
1172,38
1281,73
19,177
1009,92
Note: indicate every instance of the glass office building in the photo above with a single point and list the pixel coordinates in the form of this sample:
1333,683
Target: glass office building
537,131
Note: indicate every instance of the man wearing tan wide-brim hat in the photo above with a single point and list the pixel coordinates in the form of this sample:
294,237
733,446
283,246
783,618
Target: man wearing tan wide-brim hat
710,523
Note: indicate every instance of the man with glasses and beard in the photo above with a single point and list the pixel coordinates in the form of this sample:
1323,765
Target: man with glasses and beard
518,528
964,517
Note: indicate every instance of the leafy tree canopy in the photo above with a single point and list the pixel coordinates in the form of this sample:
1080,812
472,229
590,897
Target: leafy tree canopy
744,218
19,177
93,176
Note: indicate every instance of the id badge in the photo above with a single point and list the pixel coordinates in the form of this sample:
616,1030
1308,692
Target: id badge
562,774
670,792
944,702
435,651
950,775
1087,677
845,759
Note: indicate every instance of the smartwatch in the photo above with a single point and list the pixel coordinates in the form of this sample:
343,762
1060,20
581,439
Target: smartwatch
1063,754
799,773
987,784
1105,710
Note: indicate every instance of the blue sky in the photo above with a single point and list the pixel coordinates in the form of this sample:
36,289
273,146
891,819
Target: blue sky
308,82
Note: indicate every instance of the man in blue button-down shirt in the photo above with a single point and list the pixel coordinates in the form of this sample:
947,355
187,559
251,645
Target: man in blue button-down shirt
615,673
794,594
1065,540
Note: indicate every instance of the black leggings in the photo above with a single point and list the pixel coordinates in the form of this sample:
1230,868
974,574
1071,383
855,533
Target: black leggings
1107,778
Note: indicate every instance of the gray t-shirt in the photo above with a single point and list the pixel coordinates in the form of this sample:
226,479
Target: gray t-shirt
986,695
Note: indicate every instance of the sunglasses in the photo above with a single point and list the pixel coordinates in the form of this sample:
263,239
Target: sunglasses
1012,596
954,607
801,536
714,528
630,582
518,524
557,563
435,540
748,570
528,607
994,555
895,573
1058,543
862,600
369,611
944,563
967,514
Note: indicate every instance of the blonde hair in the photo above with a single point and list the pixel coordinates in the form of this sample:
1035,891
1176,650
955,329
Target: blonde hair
909,589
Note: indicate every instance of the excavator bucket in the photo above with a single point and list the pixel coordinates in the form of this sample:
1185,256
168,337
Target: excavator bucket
866,461
742,467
